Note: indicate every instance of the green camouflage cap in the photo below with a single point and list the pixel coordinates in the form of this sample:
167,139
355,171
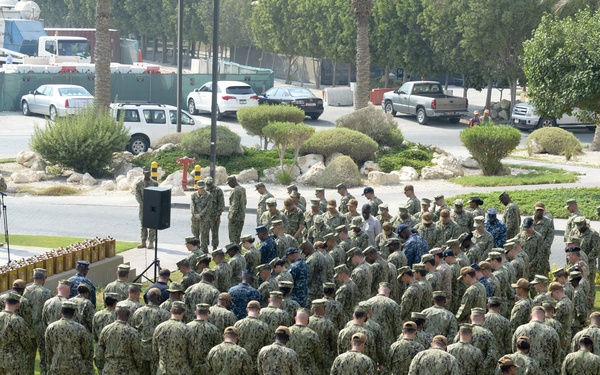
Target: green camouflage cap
178,304
176,287
122,306
202,307
68,304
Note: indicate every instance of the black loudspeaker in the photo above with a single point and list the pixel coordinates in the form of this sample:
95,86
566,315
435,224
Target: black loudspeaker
156,208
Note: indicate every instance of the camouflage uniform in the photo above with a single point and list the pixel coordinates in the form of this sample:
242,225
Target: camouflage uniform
317,274
538,257
343,208
305,342
563,312
338,254
318,231
570,225
51,311
277,359
473,297
409,220
119,287
335,313
252,257
266,288
253,335
449,231
241,294
203,292
85,311
309,219
440,322
237,213
400,354
334,220
413,205
190,279
145,233
275,317
360,239
593,331
411,302
283,243
216,210
172,345
223,276
119,350
501,329
353,362
580,309
464,220
262,206
381,243
468,356
101,319
267,218
590,245
229,358
37,296
205,335
344,345
363,277
498,231
201,205
398,259
581,362
145,320
238,265
426,293
545,345
133,305
519,314
484,241
474,254
521,268
299,272
527,365
374,203
327,333
434,361
386,312
295,218
485,341
432,234
69,348
290,306
221,317
16,346
347,296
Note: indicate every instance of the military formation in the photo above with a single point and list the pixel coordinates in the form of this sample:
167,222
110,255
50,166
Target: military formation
330,288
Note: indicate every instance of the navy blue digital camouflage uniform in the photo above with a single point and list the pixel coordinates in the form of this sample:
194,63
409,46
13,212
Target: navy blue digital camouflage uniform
241,294
414,248
268,250
299,272
78,279
498,231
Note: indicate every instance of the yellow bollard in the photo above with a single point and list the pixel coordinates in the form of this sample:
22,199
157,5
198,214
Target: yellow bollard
154,171
196,176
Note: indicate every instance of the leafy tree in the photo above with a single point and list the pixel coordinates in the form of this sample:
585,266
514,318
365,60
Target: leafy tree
254,119
362,12
562,65
286,135
339,37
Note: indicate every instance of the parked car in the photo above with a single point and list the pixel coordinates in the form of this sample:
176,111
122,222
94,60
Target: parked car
56,100
148,122
296,96
231,96
524,117
425,99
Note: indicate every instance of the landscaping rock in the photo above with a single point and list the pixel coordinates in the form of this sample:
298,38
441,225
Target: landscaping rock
341,170
310,177
494,114
407,174
503,114
382,178
27,176
447,162
123,183
220,174
24,157
369,166
177,191
166,147
121,162
134,173
75,178
108,185
496,107
161,173
535,147
505,104
88,180
434,173
332,157
307,161
469,163
38,165
247,175
269,174
19,178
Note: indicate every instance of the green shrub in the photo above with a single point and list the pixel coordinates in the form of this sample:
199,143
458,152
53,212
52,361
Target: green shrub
556,141
197,143
84,142
490,144
345,141
254,119
174,138
393,159
340,170
284,177
288,135
375,123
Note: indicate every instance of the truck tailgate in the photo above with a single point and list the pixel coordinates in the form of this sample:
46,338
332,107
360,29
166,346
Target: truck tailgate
450,104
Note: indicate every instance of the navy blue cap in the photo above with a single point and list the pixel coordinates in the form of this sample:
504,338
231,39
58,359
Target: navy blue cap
492,211
475,266
572,249
448,253
527,222
248,272
262,228
290,251
402,227
413,231
83,263
367,190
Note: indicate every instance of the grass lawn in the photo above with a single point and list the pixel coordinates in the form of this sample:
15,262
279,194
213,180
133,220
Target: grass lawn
53,242
554,199
540,175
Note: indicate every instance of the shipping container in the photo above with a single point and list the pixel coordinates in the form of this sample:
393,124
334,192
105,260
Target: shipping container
90,35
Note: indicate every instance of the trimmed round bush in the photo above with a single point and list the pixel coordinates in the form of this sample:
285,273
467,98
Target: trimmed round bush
84,142
375,123
555,141
345,141
197,143
174,138
254,119
490,144
340,170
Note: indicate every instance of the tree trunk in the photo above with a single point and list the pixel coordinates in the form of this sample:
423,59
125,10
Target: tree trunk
317,63
175,51
349,73
164,58
102,55
448,80
513,91
248,55
288,75
595,145
386,77
488,96
234,53
334,74
465,85
363,59
154,48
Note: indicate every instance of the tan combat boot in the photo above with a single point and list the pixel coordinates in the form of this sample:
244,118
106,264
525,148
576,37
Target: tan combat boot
142,245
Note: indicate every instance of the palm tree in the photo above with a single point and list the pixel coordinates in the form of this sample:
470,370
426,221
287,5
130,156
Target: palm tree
362,12
102,55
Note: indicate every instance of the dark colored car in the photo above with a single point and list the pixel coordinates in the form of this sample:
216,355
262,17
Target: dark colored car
296,96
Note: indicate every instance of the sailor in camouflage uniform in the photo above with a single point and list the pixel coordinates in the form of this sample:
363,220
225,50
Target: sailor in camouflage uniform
590,245
498,325
105,317
332,217
277,358
250,251
228,357
282,240
317,270
519,314
253,334
473,297
145,320
401,352
306,343
294,225
133,300
37,296
17,345
268,283
359,238
189,276
119,349
430,232
470,359
593,330
533,244
574,212
273,315
582,362
474,206
439,204
484,340
411,299
271,214
202,292
176,292
327,333
268,247
434,360
172,343
299,272
145,233
202,214
413,205
481,237
526,364
80,277
69,347
120,285
343,191
311,215
495,227
262,201
220,315
85,309
237,209
347,293
580,302
222,271
440,321
353,361
357,325
512,215
403,217
362,273
462,217
385,311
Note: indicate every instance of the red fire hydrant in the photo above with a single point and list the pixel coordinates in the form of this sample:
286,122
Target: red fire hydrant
186,162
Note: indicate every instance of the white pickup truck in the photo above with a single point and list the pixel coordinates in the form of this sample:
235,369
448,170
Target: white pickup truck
524,116
425,99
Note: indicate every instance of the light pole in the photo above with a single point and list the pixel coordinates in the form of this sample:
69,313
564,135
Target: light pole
179,63
215,78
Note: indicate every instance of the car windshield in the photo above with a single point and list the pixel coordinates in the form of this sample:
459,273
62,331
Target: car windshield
73,48
185,118
73,91
301,93
239,90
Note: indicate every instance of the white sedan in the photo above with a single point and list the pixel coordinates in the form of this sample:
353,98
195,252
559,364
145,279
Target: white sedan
231,96
56,100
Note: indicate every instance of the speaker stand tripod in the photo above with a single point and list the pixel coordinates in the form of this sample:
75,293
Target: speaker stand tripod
155,263
5,220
